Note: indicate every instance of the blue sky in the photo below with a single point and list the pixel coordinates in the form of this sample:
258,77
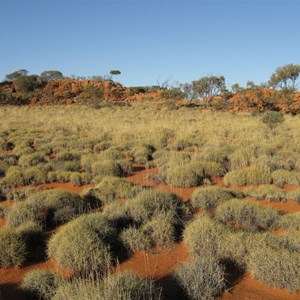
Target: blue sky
150,41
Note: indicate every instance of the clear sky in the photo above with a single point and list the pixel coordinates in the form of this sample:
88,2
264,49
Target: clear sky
150,41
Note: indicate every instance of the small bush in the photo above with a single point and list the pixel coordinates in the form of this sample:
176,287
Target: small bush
272,118
250,215
40,283
247,176
17,195
201,279
210,197
13,250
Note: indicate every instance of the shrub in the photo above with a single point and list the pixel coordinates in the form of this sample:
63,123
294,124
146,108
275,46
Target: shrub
14,176
203,236
201,279
106,168
248,176
40,283
272,118
210,197
282,177
250,215
13,250
269,192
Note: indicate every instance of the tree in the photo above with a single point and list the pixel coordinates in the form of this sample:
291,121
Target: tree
285,77
209,86
114,72
236,88
13,76
51,75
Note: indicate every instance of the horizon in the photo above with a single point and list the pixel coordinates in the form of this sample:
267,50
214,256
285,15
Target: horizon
150,41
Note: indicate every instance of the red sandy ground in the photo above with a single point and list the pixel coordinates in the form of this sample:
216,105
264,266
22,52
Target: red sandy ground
157,263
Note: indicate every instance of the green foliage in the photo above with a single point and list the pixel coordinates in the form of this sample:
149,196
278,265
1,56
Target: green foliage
201,279
78,179
13,250
272,118
250,216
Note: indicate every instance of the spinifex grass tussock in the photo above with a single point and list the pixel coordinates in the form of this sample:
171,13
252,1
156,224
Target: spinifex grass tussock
275,260
209,197
247,176
149,203
282,177
13,249
119,286
201,279
268,191
250,216
80,245
41,284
